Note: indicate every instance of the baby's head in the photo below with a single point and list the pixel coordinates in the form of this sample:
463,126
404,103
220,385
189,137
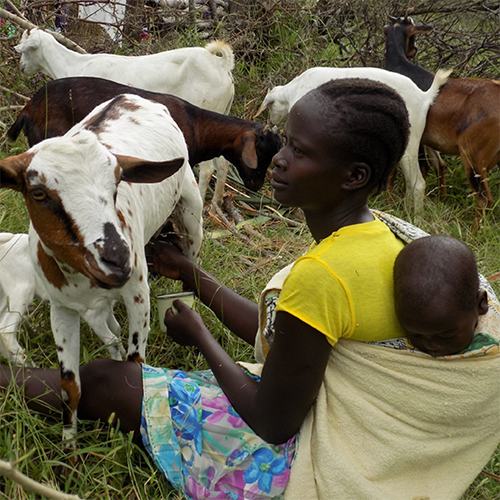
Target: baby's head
437,296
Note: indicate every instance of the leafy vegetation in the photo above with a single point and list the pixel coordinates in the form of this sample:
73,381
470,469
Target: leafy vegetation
276,41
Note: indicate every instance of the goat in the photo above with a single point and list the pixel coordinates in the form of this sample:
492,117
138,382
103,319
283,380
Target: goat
20,285
464,119
201,75
281,98
400,45
59,104
88,230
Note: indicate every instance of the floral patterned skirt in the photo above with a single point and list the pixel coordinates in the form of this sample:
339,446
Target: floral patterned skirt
202,445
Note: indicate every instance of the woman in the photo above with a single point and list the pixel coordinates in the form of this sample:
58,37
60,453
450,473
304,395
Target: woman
233,432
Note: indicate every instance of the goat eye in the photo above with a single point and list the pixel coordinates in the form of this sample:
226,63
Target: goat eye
38,194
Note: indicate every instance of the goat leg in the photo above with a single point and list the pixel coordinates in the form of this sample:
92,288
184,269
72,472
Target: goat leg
65,325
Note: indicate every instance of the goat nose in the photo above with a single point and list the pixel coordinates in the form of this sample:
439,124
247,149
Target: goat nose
114,249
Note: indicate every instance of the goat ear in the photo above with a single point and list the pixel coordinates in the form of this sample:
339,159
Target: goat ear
265,103
422,29
249,155
262,107
12,169
146,171
23,45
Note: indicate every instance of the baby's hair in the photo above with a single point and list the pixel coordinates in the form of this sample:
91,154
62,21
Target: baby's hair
374,125
434,265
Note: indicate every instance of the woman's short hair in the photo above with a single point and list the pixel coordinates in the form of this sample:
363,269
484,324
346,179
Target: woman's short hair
372,121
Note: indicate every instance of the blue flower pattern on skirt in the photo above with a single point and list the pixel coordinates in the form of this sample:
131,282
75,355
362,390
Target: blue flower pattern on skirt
263,469
202,445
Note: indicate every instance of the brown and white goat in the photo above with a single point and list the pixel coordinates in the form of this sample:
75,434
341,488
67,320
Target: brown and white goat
463,120
201,75
59,104
95,197
20,285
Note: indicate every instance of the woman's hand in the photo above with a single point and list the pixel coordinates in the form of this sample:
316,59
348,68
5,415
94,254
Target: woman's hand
165,258
239,314
186,326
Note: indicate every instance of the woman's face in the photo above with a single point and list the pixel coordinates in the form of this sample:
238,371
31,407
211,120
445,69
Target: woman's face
307,173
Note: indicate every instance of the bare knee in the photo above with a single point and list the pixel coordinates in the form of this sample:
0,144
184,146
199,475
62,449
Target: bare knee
112,391
96,373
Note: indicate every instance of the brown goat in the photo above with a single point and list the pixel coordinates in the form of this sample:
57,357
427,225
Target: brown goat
463,120
60,104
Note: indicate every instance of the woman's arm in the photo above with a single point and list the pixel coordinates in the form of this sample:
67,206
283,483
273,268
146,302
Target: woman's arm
276,407
237,313
291,378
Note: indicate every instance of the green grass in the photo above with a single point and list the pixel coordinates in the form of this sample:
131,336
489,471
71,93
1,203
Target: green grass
111,465
276,46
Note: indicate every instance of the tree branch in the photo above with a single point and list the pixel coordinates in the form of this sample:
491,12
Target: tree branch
8,470
454,7
13,92
23,23
14,8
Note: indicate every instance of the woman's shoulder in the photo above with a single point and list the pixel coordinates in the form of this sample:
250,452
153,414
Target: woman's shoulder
357,241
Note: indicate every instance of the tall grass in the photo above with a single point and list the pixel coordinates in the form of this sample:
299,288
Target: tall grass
277,46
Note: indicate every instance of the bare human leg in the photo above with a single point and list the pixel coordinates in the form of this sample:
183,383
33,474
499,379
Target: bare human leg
108,387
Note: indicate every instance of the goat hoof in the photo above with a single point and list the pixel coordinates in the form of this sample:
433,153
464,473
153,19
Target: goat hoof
67,473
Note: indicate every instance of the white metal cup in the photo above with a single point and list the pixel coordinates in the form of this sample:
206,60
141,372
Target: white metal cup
165,300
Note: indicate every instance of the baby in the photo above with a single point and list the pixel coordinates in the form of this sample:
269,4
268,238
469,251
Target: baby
437,296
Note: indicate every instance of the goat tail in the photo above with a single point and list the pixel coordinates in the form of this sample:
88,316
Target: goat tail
14,131
440,78
222,50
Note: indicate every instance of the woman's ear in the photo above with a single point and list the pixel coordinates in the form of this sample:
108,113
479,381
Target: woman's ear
482,302
360,175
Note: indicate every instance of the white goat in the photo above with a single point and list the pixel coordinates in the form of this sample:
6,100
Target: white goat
281,98
20,285
200,75
88,229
